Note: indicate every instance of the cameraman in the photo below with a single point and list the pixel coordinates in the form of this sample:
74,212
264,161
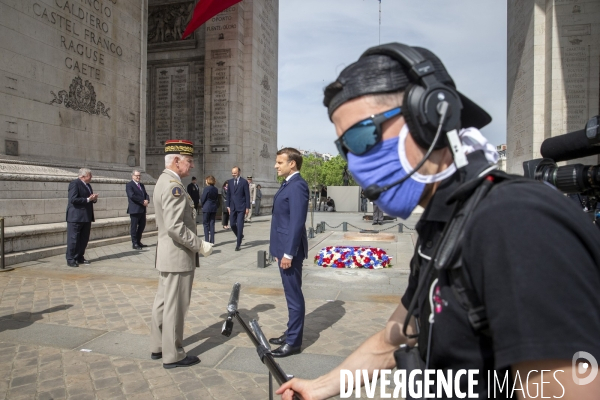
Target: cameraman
531,257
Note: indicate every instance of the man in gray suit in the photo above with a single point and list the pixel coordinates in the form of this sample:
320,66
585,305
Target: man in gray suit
176,256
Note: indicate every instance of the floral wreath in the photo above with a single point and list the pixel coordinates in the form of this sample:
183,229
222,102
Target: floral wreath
353,257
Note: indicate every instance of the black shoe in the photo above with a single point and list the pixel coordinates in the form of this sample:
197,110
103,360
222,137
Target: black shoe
279,340
72,264
84,261
142,245
188,361
136,247
156,356
285,350
237,248
242,237
374,223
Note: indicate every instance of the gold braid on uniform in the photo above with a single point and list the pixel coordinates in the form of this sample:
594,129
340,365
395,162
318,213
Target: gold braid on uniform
185,150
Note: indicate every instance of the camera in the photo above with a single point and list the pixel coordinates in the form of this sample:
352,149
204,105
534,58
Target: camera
574,178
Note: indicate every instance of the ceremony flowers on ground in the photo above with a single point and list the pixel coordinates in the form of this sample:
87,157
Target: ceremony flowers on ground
353,257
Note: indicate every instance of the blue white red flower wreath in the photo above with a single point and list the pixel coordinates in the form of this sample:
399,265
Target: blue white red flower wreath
353,257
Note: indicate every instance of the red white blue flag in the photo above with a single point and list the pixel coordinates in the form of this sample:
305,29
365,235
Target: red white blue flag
205,10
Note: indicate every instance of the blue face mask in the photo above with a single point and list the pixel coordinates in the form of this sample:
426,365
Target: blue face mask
381,166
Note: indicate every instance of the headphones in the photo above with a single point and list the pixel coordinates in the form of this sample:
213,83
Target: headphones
422,97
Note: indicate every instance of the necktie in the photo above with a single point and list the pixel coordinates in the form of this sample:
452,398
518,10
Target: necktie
88,188
236,182
138,185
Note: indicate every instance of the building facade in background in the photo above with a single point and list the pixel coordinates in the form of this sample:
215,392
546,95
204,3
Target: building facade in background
553,73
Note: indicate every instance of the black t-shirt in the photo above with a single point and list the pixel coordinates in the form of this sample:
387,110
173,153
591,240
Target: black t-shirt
534,260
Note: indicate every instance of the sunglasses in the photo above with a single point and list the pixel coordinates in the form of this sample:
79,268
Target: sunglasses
362,136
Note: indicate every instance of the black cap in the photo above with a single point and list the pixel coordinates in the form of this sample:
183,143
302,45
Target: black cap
376,74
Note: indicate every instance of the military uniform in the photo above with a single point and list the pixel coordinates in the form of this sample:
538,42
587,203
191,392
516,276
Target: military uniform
176,259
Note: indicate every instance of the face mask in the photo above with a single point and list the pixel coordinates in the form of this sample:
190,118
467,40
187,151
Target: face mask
381,166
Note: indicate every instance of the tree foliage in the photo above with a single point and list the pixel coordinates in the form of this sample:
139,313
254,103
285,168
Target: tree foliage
316,171
311,170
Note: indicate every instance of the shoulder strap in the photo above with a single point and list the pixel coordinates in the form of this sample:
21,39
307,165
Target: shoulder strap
448,255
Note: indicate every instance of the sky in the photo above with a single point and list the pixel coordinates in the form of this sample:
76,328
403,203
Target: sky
318,38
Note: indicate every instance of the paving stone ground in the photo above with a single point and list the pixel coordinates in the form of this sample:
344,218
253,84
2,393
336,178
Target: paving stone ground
83,333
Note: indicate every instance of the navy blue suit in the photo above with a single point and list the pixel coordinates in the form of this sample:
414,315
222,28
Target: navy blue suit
136,210
288,236
209,201
238,200
80,215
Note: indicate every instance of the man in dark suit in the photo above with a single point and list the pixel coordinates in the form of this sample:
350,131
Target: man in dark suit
289,245
194,192
238,204
138,201
80,215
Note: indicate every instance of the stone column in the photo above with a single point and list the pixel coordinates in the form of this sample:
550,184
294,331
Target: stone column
553,73
241,92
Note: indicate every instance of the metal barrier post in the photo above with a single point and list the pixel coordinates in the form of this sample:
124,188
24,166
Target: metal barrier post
311,233
261,259
401,228
322,226
345,227
2,258
3,265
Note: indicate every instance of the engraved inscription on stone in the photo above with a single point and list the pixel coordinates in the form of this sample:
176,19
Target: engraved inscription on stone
171,103
220,53
219,131
166,23
162,118
179,102
576,30
267,38
198,96
576,72
222,22
81,97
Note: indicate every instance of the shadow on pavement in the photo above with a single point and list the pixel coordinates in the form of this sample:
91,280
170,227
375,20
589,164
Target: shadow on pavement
320,319
117,255
29,318
255,243
213,332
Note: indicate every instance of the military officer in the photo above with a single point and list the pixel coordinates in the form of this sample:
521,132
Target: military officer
176,255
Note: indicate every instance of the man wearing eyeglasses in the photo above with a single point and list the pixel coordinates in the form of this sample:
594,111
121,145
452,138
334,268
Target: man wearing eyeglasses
526,258
138,200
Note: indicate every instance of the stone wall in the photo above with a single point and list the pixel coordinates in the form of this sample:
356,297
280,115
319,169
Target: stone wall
73,95
553,73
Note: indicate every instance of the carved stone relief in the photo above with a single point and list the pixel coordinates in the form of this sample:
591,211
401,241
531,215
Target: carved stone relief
81,97
166,23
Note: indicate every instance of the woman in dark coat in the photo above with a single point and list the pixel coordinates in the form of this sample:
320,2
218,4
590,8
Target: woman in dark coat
225,217
209,201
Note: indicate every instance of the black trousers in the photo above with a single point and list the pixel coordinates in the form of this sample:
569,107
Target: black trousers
208,220
225,218
237,224
138,224
78,236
